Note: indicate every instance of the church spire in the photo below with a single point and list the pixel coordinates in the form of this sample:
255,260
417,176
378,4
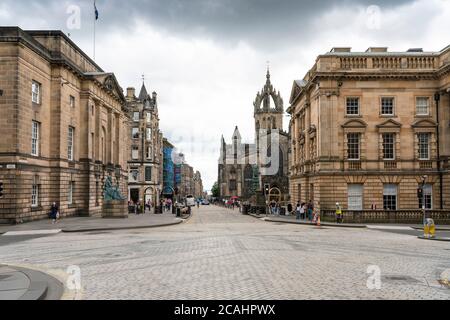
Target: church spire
143,94
268,73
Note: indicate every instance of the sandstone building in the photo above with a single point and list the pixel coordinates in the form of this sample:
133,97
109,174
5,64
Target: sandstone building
367,127
63,124
244,168
198,185
145,160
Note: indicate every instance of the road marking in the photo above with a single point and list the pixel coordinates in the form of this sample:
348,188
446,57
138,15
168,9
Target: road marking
389,228
32,232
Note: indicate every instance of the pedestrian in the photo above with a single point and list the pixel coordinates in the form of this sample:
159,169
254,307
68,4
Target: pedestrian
339,215
298,210
303,209
273,205
138,207
54,213
310,210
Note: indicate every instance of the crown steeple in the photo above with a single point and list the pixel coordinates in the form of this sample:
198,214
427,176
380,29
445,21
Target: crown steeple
268,100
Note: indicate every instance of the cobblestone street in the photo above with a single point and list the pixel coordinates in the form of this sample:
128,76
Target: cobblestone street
221,254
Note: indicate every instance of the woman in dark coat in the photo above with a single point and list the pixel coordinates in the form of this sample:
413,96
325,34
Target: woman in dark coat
54,212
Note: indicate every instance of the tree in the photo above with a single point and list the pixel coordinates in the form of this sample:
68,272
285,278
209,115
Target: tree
215,190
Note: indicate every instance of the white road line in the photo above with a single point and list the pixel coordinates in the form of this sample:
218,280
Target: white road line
32,232
389,228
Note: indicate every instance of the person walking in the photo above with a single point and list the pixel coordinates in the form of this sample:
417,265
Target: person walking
298,210
303,209
289,209
54,213
339,215
310,210
273,205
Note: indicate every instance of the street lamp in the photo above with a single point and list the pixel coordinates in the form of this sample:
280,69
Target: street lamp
422,193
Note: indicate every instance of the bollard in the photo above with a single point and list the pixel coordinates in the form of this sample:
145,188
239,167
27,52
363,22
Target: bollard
429,229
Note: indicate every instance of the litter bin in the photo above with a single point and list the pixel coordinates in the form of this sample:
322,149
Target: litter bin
178,212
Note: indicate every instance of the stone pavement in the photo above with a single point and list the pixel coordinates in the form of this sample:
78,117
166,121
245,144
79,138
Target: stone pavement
84,224
24,284
221,254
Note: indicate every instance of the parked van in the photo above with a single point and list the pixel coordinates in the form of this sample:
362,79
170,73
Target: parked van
190,201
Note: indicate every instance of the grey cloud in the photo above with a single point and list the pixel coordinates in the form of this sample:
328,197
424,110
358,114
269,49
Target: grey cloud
262,23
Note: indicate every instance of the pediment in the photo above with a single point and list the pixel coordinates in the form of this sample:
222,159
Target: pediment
425,123
355,123
390,124
297,87
112,85
109,82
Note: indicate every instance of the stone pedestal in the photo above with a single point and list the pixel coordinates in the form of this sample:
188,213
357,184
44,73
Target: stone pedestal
115,209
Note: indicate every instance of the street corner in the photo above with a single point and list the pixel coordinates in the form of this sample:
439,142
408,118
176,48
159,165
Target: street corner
20,282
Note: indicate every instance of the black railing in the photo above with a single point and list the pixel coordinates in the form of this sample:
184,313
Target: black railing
380,216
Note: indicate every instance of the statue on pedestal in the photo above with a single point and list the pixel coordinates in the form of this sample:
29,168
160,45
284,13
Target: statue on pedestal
112,192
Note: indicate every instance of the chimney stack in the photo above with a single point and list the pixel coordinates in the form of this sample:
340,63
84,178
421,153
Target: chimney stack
131,92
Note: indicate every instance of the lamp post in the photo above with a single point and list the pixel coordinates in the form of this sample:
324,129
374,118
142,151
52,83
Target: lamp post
422,187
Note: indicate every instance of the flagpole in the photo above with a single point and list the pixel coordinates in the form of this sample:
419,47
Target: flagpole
95,22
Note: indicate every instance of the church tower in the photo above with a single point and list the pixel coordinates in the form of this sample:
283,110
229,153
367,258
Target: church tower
268,108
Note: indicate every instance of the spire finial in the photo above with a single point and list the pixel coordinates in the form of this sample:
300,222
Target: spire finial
268,69
143,78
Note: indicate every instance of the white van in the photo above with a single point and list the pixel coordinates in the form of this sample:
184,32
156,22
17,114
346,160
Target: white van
190,201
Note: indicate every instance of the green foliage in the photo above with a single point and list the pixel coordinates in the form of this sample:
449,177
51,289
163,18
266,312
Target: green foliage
215,190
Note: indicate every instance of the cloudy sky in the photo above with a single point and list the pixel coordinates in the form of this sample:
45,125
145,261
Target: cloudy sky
207,58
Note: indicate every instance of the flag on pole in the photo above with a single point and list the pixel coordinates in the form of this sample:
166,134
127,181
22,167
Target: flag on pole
96,11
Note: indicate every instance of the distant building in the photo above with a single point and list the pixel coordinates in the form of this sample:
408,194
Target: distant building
145,162
169,170
367,126
198,185
186,187
63,124
245,169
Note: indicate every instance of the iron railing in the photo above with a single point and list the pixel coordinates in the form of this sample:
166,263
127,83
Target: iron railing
394,217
